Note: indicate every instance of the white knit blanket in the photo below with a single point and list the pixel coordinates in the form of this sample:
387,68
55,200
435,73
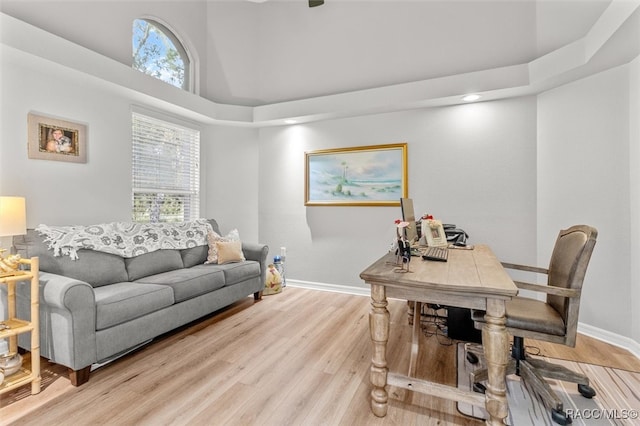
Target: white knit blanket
126,239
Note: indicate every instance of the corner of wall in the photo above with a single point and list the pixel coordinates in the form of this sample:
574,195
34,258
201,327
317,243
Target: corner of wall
634,171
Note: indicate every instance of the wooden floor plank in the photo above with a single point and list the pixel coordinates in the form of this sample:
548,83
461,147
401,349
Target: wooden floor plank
299,357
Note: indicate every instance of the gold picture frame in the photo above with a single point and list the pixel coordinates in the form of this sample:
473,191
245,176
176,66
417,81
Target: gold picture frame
54,139
374,175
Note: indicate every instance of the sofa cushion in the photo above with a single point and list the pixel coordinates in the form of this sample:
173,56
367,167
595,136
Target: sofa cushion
93,267
153,263
239,272
213,238
194,256
189,282
229,252
122,302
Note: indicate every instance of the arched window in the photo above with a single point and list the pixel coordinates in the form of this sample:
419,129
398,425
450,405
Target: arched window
158,53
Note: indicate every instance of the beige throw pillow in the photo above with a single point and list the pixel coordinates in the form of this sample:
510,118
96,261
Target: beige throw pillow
213,238
229,252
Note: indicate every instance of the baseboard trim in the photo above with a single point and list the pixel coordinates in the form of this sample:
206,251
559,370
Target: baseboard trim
588,330
358,291
611,338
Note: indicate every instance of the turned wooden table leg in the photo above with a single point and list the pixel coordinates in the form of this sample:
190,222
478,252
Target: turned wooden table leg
379,328
496,350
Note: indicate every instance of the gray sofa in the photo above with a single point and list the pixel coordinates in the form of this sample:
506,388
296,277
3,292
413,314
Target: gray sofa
102,305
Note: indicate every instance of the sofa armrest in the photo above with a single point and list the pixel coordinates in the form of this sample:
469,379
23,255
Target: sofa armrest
259,253
67,321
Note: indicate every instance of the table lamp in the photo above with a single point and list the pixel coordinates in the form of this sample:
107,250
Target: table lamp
13,221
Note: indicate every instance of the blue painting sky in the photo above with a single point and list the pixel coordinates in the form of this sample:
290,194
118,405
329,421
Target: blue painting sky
361,165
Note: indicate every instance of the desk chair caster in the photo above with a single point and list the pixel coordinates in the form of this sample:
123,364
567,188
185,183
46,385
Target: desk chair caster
479,387
559,416
586,391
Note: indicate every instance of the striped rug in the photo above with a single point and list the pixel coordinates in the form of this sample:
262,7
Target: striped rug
617,400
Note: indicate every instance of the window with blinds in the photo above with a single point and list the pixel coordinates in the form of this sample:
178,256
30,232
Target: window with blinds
166,171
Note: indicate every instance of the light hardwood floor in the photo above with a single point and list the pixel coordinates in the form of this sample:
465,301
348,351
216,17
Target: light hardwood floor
297,358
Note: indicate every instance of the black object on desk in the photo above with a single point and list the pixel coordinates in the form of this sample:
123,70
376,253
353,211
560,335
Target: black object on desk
436,253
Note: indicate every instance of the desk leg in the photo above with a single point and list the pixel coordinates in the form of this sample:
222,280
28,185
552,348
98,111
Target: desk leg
415,339
379,328
496,351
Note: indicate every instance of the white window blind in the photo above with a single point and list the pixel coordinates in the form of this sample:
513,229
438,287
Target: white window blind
166,170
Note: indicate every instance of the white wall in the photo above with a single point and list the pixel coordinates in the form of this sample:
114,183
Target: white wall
230,167
634,162
61,193
472,165
583,177
232,69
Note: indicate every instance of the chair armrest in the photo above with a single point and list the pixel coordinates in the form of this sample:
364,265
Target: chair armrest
549,289
515,266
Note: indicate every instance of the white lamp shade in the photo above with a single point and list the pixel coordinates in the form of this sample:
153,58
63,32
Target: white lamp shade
13,216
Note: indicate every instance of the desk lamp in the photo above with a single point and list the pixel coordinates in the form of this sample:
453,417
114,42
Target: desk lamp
13,221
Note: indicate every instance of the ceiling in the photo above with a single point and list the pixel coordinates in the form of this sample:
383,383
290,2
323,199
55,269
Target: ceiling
374,56
354,45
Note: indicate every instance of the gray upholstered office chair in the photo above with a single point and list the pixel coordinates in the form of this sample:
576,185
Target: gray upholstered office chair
552,320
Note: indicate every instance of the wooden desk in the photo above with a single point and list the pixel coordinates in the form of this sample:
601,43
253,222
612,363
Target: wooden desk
470,279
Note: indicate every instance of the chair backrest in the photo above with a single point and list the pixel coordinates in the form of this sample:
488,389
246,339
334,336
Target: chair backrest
567,268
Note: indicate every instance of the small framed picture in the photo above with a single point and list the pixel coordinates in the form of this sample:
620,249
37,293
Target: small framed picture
58,140
434,233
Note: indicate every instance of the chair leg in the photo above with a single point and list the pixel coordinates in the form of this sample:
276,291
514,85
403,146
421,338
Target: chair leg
518,351
533,378
482,374
537,382
557,372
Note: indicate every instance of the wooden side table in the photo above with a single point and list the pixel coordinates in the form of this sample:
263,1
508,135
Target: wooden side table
18,326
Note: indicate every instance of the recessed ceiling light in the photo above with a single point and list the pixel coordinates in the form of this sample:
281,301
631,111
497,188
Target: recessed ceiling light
471,98
290,121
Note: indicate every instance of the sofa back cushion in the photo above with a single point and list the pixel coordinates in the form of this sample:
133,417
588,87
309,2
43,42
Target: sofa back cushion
98,268
194,256
93,267
156,262
214,225
198,255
